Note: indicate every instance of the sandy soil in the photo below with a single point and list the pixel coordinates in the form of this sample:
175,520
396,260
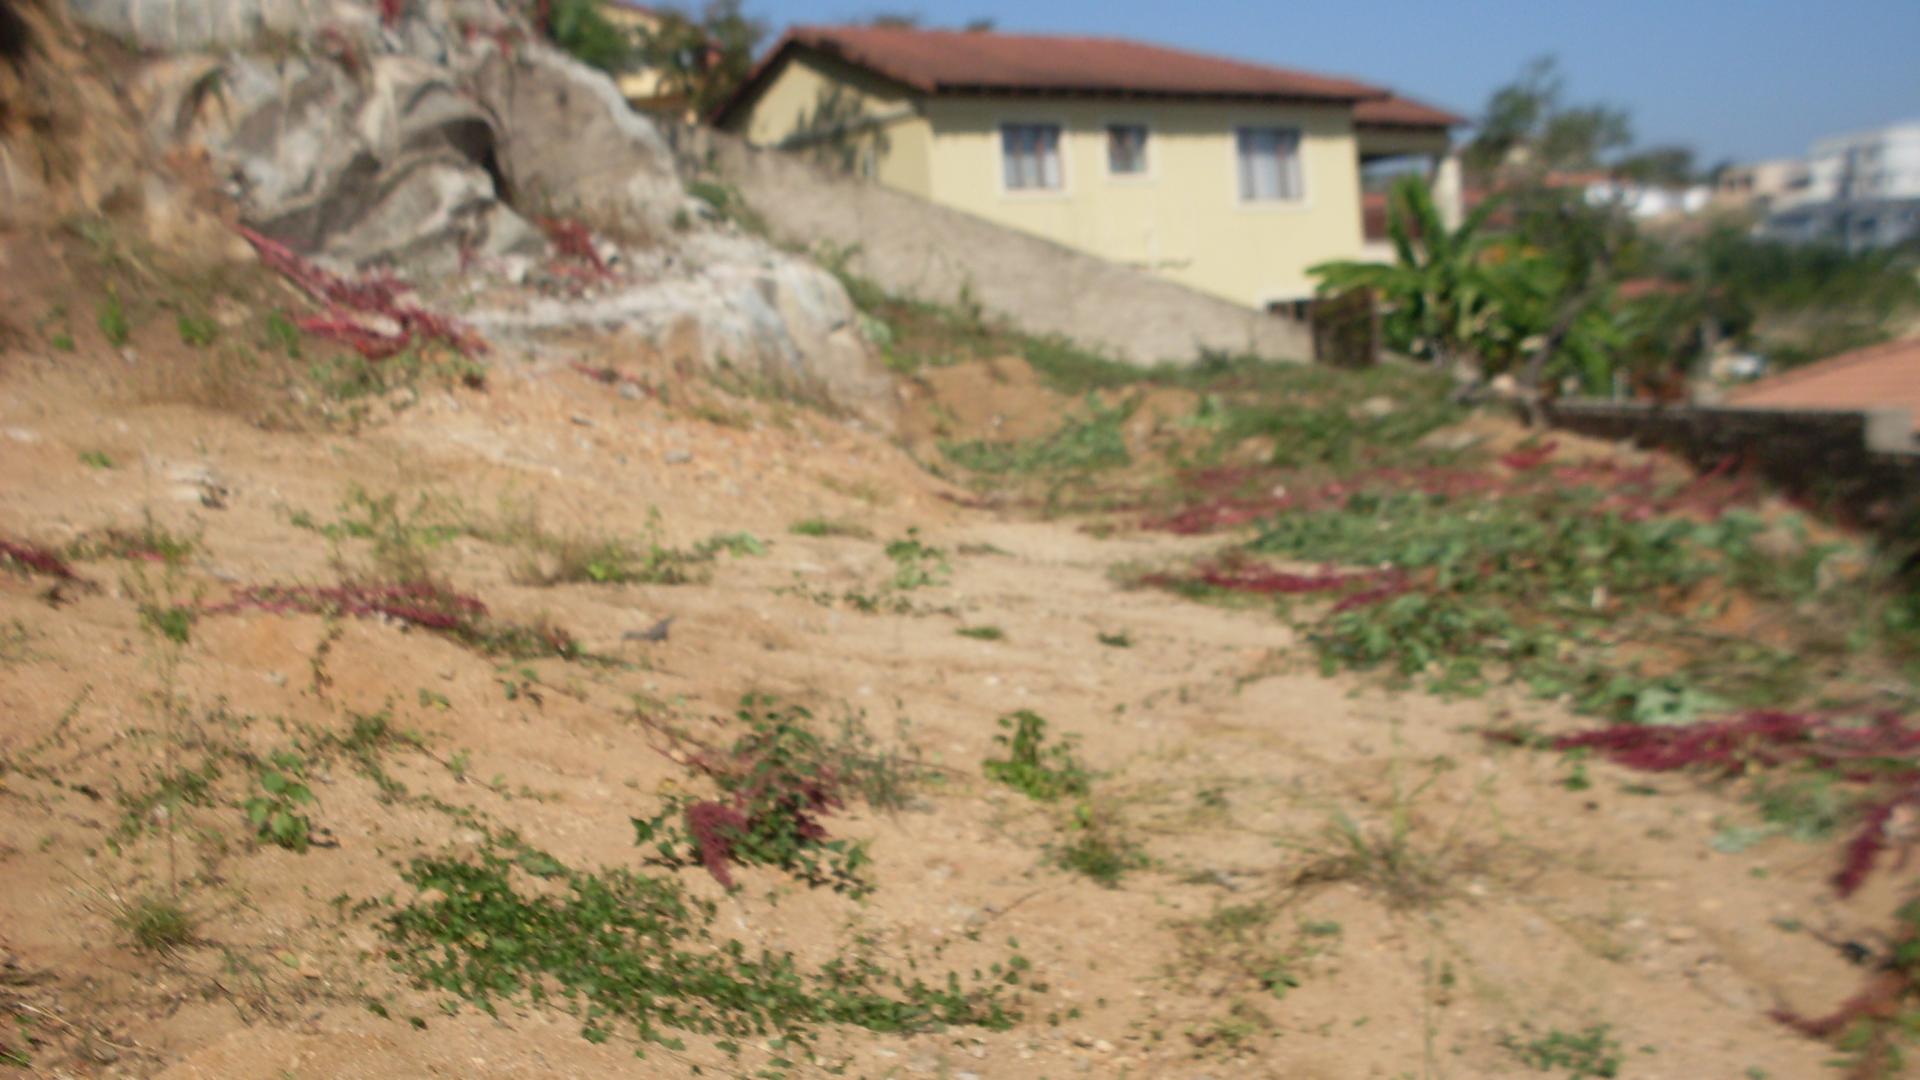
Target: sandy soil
1220,749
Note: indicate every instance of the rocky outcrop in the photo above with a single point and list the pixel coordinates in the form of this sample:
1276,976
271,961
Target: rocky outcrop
443,142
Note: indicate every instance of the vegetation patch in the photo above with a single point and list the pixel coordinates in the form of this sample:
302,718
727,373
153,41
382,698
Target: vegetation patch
156,923
777,781
1087,443
1098,847
633,954
1592,1052
150,542
276,813
817,526
427,605
1881,753
32,559
1036,770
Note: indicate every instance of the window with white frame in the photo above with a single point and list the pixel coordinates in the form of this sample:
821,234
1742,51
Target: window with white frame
1030,156
1270,165
1127,149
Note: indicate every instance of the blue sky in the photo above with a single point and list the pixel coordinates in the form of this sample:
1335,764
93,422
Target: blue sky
1737,79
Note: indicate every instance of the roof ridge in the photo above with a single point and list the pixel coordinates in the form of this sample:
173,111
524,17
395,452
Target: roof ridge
941,61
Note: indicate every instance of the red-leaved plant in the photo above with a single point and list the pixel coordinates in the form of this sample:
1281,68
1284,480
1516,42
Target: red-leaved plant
425,604
1881,753
776,784
34,559
364,313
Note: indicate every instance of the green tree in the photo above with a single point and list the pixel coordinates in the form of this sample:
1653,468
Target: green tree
1527,123
579,27
702,58
1468,298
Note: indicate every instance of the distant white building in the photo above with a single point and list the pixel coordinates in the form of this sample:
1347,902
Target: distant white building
1883,164
1859,192
1648,201
1760,184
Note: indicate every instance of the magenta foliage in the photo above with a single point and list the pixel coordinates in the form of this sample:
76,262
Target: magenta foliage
37,559
1530,457
713,826
1881,752
571,239
351,302
1391,584
420,604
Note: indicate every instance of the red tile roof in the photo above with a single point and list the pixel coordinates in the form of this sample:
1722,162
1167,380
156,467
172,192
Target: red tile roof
1397,111
959,61
1877,377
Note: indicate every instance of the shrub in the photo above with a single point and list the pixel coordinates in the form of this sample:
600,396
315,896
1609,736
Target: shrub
778,782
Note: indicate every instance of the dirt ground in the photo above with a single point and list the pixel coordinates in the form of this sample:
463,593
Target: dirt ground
1535,906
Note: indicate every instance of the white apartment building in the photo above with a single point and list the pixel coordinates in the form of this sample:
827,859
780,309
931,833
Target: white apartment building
1859,191
1882,164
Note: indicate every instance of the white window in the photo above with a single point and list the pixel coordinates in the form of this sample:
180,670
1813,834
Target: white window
1127,149
1270,165
1030,156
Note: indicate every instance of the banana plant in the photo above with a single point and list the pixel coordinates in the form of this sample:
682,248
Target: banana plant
1441,293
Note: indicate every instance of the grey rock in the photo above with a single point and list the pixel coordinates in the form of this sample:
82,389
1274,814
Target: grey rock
410,146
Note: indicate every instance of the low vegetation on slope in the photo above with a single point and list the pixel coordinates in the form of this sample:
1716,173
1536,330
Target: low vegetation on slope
1709,625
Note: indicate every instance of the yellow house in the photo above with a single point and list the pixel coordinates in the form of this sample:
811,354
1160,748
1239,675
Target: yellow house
1229,177
649,89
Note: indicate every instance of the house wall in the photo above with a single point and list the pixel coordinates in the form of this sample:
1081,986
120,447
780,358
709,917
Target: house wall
1185,219
913,247
895,137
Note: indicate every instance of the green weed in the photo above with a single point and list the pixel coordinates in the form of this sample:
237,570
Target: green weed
197,330
1081,444
777,781
1592,1052
96,459
982,633
1399,855
111,318
916,564
1041,772
275,812
150,542
282,334
830,527
155,923
1098,847
622,950
728,204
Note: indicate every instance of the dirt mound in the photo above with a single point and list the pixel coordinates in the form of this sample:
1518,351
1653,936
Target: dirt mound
1264,858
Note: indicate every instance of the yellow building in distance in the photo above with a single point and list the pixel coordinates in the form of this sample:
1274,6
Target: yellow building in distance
1229,177
646,88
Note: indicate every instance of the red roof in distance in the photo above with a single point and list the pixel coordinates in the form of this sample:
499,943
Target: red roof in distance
1877,377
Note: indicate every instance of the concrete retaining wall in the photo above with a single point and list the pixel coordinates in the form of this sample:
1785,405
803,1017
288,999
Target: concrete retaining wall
1864,465
915,248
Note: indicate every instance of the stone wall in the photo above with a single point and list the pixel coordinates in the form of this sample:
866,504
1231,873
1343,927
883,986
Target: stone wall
915,248
1863,465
